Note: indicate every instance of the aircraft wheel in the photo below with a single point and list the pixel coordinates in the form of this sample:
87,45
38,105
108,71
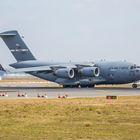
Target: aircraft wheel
66,86
91,86
83,86
87,86
134,85
77,86
70,86
74,86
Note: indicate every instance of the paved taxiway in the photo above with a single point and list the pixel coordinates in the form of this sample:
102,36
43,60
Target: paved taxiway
71,92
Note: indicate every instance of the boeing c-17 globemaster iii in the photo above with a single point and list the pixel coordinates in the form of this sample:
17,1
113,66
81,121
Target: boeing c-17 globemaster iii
69,74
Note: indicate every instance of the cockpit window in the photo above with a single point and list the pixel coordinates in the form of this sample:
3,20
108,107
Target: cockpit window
132,67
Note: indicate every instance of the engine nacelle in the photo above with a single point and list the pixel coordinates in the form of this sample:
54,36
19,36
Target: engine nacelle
90,71
65,73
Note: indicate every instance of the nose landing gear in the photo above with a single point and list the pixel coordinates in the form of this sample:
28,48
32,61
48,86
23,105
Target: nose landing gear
134,85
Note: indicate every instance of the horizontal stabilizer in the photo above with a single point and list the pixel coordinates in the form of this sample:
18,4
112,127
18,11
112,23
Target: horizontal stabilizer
2,71
7,34
1,68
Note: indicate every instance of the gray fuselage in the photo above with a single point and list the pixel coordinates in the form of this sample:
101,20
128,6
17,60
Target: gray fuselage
69,74
110,73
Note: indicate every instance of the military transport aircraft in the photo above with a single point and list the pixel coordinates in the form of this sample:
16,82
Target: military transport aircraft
69,74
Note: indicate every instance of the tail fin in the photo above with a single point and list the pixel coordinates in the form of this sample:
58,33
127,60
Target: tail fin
16,45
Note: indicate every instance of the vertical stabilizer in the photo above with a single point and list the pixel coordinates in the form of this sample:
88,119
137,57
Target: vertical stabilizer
17,46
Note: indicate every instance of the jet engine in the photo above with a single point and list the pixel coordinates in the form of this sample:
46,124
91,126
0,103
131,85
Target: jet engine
90,71
65,73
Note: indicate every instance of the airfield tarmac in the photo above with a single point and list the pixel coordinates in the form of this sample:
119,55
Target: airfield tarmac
54,92
38,87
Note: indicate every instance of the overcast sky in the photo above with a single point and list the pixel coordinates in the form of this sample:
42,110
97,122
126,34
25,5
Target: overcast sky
76,30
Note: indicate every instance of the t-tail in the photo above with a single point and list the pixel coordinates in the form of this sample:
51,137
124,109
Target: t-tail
17,46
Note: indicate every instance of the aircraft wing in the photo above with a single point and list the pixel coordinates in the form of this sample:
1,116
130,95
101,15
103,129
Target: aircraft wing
30,69
41,68
49,68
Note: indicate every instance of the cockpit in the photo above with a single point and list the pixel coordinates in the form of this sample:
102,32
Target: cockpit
134,67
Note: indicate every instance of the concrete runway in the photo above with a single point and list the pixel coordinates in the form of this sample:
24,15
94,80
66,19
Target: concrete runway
32,92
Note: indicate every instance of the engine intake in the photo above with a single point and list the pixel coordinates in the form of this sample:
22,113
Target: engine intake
65,73
90,71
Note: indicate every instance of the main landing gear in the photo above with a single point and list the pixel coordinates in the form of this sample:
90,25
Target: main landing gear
87,86
134,85
70,86
77,86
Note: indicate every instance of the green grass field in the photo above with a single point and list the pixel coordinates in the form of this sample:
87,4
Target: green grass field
70,119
